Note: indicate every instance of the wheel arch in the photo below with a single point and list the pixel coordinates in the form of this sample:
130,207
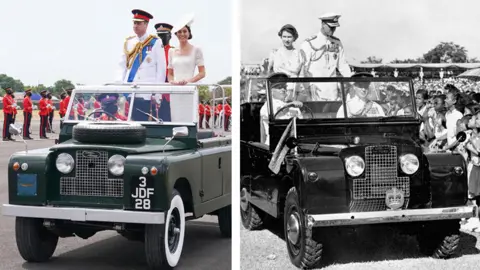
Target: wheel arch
182,185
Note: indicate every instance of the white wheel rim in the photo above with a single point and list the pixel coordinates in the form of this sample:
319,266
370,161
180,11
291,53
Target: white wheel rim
173,258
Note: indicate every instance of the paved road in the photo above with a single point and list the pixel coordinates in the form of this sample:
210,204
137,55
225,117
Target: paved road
204,248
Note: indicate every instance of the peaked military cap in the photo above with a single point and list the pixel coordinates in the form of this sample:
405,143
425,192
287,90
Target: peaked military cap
331,19
141,15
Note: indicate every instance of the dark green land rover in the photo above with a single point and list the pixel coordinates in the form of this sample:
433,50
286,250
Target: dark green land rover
129,158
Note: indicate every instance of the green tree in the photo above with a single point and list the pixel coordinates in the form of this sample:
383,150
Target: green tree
60,85
7,81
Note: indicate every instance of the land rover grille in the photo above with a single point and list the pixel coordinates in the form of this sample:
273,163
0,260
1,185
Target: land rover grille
91,177
381,174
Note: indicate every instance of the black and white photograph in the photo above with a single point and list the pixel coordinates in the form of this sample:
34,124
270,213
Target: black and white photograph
359,134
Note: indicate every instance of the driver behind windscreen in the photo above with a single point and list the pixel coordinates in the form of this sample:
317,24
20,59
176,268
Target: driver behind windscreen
360,104
109,104
279,95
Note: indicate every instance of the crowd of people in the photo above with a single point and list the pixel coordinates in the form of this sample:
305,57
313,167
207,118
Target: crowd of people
451,121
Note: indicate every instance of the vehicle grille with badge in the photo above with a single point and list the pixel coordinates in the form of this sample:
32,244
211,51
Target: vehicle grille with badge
381,182
91,177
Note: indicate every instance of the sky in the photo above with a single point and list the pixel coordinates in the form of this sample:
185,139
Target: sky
82,41
386,29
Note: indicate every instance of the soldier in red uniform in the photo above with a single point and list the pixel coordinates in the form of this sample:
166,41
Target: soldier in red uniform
63,107
44,108
208,114
201,113
14,108
218,110
51,112
8,105
109,104
165,34
227,112
27,114
66,101
81,108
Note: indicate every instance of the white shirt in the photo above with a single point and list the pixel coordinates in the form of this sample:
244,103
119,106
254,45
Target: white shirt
265,111
355,106
184,65
153,68
452,118
323,56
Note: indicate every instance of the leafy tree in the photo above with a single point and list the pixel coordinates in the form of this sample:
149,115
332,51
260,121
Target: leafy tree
446,52
60,85
7,81
372,60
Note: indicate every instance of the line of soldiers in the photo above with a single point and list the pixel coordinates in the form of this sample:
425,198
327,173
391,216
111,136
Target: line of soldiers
205,112
46,113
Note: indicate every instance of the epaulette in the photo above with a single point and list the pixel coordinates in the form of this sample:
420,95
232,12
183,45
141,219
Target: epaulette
311,38
153,36
130,37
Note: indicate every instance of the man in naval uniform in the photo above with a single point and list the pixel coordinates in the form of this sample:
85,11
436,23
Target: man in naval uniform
143,58
164,32
324,55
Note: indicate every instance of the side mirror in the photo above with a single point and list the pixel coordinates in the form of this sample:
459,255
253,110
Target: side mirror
461,136
180,132
291,142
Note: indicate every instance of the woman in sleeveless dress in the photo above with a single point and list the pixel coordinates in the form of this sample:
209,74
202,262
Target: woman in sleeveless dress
183,61
289,60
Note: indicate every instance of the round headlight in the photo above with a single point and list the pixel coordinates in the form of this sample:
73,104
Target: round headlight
409,163
65,163
354,165
116,165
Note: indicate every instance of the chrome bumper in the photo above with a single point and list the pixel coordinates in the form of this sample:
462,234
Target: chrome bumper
394,216
83,214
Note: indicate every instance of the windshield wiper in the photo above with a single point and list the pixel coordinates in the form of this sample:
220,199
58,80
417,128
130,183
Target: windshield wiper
153,117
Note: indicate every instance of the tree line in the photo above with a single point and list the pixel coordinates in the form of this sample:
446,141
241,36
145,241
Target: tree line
445,52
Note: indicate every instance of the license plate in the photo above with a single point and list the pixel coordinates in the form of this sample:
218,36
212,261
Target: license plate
26,184
142,192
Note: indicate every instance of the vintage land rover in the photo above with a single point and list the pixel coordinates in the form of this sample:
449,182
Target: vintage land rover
132,160
346,162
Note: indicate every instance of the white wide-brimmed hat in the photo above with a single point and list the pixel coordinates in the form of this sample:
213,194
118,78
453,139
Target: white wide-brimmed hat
186,20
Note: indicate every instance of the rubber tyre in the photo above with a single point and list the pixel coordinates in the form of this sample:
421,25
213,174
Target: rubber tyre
34,242
110,133
157,252
439,240
309,250
225,221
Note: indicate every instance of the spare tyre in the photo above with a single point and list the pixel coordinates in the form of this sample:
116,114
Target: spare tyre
114,132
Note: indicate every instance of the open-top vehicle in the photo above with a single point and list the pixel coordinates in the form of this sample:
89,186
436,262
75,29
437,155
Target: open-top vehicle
347,162
133,162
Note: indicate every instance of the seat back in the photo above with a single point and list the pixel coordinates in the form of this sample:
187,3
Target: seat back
250,121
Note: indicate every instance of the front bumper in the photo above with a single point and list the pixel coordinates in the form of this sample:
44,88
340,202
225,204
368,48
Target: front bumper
83,214
394,216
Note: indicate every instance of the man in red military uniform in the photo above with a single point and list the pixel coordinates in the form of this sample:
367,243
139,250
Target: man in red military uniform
201,114
63,108
165,34
51,112
66,101
44,110
227,112
8,105
218,110
27,114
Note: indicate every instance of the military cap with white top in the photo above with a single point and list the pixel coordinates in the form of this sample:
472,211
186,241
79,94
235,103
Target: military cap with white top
331,19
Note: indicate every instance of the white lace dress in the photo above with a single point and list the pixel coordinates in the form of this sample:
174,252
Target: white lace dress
184,66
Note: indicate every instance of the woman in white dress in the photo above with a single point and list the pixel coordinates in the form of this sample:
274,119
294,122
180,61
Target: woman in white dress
184,59
289,60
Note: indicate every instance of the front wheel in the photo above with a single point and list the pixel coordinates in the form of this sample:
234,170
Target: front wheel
439,239
164,242
304,251
225,221
35,243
